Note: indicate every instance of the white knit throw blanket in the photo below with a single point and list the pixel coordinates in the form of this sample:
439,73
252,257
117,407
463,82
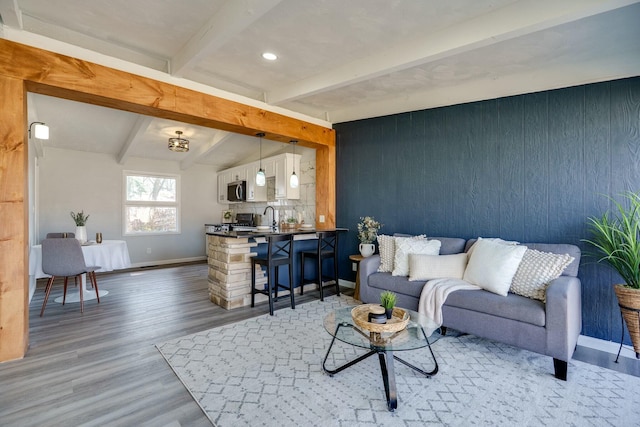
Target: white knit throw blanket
435,293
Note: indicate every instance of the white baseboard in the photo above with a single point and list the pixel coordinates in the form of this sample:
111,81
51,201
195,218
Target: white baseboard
606,346
347,283
168,261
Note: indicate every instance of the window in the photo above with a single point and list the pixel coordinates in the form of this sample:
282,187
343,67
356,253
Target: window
151,204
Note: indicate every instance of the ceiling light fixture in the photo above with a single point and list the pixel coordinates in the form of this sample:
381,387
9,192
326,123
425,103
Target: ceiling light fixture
179,145
41,130
261,179
269,56
293,181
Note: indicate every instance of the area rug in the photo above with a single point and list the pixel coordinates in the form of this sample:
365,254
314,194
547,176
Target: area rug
267,371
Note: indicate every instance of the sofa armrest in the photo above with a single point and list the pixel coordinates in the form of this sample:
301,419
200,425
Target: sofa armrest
563,316
368,266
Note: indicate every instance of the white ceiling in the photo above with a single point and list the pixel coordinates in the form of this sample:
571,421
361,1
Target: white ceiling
338,60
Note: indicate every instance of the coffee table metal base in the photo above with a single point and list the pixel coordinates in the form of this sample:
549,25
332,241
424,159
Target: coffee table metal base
386,366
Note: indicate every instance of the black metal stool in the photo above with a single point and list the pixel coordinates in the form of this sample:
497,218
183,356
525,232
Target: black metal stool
279,252
327,249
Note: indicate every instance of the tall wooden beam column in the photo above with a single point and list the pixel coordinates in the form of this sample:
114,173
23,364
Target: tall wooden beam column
14,275
48,73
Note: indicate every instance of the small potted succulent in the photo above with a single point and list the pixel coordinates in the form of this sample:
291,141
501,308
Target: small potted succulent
388,301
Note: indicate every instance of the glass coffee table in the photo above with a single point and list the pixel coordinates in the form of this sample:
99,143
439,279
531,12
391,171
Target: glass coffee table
420,332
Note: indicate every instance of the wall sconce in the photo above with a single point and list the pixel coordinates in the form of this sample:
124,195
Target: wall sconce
293,181
41,131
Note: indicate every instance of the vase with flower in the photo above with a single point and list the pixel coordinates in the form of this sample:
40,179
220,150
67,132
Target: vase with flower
81,225
367,234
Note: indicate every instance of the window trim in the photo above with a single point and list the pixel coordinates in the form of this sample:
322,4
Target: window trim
129,203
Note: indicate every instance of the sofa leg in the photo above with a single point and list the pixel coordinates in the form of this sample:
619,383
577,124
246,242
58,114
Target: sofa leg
443,330
560,368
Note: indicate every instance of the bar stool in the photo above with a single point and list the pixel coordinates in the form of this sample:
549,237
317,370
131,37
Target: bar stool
327,249
279,252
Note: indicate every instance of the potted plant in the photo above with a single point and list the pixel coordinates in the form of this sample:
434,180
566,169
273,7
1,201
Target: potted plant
388,301
367,234
616,238
81,222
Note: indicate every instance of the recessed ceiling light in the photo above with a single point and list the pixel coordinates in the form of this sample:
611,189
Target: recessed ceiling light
269,56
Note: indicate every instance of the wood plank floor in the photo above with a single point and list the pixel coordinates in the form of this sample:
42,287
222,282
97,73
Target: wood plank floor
101,368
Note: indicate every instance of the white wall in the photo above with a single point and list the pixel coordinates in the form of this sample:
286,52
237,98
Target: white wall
77,180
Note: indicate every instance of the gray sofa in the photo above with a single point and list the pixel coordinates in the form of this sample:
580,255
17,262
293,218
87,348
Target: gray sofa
551,329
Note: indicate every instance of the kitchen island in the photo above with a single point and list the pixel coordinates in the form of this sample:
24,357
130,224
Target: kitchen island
229,257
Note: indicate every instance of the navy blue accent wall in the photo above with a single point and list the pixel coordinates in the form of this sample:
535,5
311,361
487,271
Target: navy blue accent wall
529,168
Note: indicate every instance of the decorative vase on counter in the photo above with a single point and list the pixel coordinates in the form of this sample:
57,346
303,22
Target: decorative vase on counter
81,233
367,249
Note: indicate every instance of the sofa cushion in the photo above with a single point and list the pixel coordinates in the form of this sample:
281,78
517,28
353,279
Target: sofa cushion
535,272
514,307
397,284
408,245
427,267
492,265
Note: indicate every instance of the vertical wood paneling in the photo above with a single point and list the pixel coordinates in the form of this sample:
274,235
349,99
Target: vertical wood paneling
528,168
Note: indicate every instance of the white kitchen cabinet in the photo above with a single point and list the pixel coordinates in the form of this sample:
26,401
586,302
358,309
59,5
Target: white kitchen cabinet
224,178
284,165
255,193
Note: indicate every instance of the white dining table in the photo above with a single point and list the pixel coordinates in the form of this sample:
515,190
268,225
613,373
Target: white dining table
109,255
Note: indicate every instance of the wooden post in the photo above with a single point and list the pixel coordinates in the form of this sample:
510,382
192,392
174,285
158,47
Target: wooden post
14,275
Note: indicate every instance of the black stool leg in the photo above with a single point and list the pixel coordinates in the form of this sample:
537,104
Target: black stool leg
291,286
302,273
270,289
253,284
320,277
335,275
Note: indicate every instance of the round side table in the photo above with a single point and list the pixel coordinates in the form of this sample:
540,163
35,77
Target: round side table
357,258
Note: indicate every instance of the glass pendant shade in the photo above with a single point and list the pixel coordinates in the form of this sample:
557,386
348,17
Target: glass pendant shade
261,180
293,181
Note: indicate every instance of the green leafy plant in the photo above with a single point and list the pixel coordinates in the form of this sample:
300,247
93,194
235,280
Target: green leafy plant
368,229
616,238
79,218
291,220
388,299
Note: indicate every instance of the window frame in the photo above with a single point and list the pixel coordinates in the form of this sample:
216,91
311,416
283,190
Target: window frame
135,203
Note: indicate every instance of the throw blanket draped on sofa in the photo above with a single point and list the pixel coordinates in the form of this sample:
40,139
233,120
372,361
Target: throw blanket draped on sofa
435,293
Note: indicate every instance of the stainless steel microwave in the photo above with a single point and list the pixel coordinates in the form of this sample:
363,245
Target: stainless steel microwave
237,191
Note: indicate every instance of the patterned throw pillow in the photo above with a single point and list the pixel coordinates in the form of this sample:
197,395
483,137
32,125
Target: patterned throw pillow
387,246
536,271
411,245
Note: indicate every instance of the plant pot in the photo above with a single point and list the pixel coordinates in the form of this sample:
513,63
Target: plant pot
81,233
367,249
629,302
388,312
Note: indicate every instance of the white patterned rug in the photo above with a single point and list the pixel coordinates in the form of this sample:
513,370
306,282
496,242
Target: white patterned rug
268,371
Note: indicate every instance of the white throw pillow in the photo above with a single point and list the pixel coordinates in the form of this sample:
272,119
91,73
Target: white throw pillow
492,265
387,247
535,272
410,245
426,267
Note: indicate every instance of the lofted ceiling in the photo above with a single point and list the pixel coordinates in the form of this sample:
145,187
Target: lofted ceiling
337,60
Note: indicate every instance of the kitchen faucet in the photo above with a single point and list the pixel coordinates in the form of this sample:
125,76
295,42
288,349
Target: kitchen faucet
273,216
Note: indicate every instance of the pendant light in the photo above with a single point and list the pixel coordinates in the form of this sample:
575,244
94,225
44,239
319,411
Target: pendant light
261,180
293,181
179,144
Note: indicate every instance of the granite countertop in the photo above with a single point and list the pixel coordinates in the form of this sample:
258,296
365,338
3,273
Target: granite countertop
253,234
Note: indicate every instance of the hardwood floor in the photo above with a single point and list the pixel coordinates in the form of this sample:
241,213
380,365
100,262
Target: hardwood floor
101,368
